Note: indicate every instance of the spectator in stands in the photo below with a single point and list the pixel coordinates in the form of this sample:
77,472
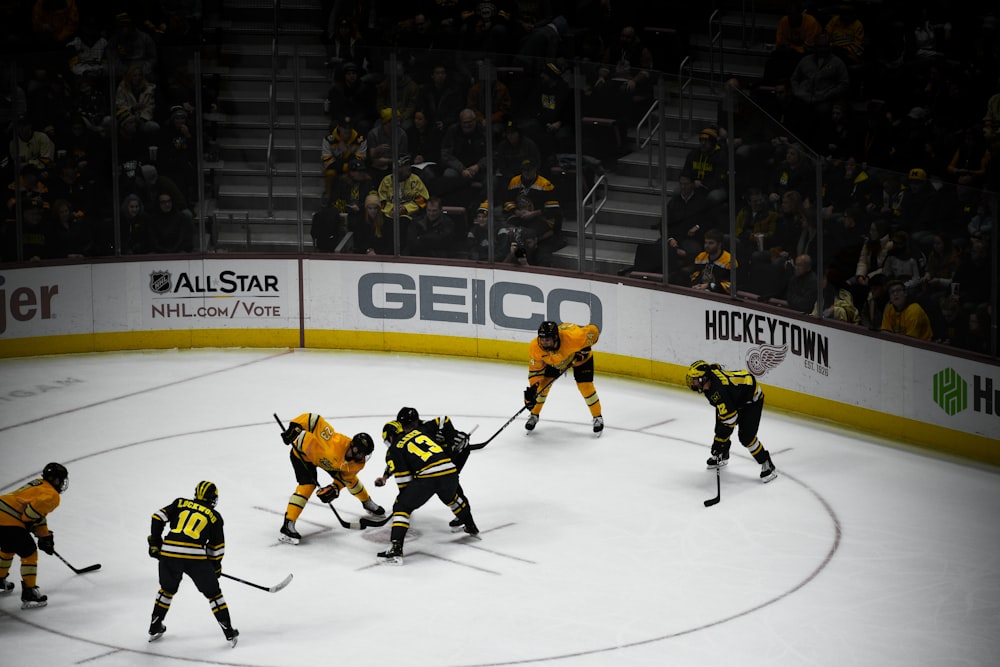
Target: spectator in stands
177,152
688,218
71,233
352,96
543,40
36,242
411,192
440,98
973,275
328,227
375,233
792,220
903,316
756,224
486,30
982,220
942,262
341,146
974,335
344,44
135,226
876,248
477,240
407,95
546,114
90,104
709,165
135,98
54,22
349,193
795,35
30,186
902,263
34,147
921,211
836,137
67,184
795,172
128,45
800,284
844,239
713,266
545,202
847,34
846,184
88,49
838,302
624,78
170,231
424,140
819,79
968,164
380,140
501,105
433,233
888,202
511,153
463,153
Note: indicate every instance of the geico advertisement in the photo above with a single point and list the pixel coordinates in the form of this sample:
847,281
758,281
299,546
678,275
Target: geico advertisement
218,293
45,301
446,300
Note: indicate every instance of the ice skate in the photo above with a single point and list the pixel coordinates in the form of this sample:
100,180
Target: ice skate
393,555
32,597
717,460
373,508
471,529
6,586
156,630
530,424
456,525
767,471
598,425
288,534
232,636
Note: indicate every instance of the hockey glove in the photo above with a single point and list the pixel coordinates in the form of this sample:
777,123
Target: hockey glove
531,396
460,441
720,448
328,493
47,543
154,546
289,434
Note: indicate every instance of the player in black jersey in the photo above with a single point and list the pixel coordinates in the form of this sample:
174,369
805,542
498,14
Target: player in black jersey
738,401
194,546
422,468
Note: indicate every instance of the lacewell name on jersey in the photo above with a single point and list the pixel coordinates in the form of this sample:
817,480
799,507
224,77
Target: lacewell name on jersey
739,326
23,304
227,282
398,296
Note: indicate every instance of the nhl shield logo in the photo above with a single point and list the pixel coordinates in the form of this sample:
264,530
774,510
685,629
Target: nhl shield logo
159,282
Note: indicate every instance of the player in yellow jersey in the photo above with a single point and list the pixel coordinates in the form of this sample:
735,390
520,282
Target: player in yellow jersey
22,512
738,401
557,348
316,445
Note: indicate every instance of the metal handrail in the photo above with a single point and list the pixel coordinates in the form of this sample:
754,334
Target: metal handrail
588,202
272,119
685,94
715,45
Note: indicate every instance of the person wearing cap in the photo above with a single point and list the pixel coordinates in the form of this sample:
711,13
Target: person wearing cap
177,152
343,44
549,112
373,234
351,95
412,192
708,165
342,145
514,149
407,95
379,143
349,192
477,240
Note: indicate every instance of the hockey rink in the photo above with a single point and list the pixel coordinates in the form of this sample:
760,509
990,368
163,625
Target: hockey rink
594,551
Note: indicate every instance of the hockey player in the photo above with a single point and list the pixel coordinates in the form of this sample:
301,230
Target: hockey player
554,350
738,400
22,512
194,546
422,468
456,443
316,445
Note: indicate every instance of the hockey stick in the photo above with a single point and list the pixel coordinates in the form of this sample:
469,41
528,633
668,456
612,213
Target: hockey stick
362,523
270,589
78,570
718,490
480,445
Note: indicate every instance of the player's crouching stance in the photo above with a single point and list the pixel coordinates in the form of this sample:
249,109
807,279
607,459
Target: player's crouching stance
194,546
422,468
22,512
555,349
738,400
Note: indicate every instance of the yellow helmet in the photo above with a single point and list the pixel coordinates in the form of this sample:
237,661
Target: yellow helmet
391,432
696,373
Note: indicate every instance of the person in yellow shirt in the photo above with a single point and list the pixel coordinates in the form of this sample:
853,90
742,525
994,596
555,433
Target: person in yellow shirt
22,512
557,348
905,318
315,444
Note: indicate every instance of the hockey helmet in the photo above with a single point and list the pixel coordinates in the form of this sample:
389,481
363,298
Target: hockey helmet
548,335
407,416
361,447
391,432
56,475
207,493
696,375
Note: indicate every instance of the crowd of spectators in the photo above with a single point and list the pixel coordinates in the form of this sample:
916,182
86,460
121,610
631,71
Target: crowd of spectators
896,103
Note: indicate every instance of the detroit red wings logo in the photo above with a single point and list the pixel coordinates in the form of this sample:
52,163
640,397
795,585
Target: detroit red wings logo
764,358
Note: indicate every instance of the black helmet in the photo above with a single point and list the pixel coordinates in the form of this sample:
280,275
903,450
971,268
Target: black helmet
56,475
407,416
363,444
391,432
207,493
548,330
696,375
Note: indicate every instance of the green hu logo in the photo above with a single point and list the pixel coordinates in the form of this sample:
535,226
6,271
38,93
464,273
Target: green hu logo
951,392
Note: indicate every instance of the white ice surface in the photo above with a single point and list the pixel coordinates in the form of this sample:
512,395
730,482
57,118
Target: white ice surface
594,551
